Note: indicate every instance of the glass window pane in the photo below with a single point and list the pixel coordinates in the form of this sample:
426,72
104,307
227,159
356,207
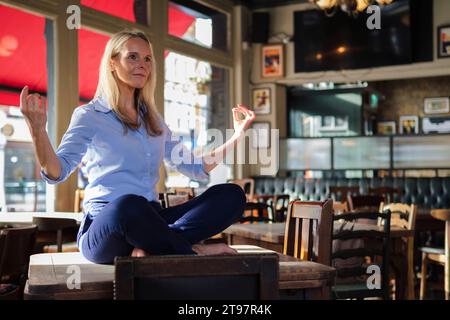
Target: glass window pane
422,152
194,91
23,61
305,154
131,10
197,23
361,153
90,50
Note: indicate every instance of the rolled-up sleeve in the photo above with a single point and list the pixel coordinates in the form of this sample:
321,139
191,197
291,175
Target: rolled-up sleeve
183,159
73,144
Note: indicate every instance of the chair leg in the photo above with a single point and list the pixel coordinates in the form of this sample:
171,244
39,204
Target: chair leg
410,282
447,263
423,276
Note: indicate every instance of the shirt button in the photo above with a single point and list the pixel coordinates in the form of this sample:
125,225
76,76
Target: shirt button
148,154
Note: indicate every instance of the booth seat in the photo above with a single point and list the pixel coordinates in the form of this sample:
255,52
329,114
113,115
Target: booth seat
427,193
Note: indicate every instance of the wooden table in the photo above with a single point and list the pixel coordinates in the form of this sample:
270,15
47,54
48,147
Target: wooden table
26,218
49,274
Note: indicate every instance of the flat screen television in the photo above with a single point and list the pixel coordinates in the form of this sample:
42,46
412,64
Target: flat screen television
345,42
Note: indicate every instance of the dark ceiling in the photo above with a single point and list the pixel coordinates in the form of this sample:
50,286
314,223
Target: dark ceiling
259,4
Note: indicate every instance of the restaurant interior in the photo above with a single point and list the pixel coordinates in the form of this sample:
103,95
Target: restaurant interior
345,169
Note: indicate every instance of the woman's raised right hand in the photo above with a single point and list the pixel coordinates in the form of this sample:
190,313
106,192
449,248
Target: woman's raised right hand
34,110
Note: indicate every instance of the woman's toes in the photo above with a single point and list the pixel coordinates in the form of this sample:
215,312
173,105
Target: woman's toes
138,253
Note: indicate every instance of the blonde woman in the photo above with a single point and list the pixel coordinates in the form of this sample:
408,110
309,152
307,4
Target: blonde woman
124,139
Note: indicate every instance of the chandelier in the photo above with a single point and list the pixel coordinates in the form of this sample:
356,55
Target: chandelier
348,6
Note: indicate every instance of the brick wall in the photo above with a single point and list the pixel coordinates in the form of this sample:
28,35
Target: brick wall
406,97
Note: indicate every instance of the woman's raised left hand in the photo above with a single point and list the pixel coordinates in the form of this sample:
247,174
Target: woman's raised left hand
240,125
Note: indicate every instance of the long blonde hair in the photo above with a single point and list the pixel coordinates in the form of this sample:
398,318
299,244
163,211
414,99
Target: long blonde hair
108,88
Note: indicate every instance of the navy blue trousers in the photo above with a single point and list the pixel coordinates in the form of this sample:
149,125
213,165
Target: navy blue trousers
131,221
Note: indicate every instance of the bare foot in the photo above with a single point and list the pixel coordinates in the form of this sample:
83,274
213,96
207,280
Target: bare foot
138,253
212,249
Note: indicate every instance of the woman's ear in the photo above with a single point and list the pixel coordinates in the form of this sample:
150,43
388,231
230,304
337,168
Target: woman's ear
112,65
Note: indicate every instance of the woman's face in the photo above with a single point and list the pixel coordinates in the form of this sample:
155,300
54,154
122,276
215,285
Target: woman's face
132,66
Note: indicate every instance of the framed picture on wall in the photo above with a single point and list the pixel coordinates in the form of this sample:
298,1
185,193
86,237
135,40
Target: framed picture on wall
272,61
436,105
386,128
444,41
261,135
409,124
261,100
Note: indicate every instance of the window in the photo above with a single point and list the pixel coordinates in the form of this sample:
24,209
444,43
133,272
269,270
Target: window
197,23
23,61
194,91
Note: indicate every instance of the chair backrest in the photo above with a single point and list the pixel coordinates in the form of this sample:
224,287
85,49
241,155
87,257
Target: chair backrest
280,206
388,193
340,207
308,231
370,236
16,246
172,200
402,215
256,212
341,193
366,202
190,192
78,202
193,277
248,185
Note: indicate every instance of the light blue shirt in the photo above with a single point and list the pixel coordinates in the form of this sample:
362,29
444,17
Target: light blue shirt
118,163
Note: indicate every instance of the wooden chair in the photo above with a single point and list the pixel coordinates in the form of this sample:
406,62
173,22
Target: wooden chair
404,216
340,207
256,212
386,192
16,246
192,277
371,250
341,193
364,202
278,202
172,199
440,256
55,228
248,185
308,231
78,202
190,192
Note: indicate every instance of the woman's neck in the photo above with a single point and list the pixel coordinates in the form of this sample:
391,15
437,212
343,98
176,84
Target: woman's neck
126,99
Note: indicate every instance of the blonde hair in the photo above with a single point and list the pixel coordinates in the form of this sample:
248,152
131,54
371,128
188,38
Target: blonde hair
108,88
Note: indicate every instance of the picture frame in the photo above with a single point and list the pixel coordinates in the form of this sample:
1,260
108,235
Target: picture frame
439,124
272,61
409,125
261,100
387,128
340,123
261,135
443,41
438,105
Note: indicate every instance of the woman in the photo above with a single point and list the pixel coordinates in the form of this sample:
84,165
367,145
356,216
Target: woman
123,140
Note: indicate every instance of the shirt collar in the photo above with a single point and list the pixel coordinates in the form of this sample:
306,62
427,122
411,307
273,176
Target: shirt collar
101,105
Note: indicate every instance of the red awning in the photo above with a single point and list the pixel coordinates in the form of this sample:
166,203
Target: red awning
23,48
